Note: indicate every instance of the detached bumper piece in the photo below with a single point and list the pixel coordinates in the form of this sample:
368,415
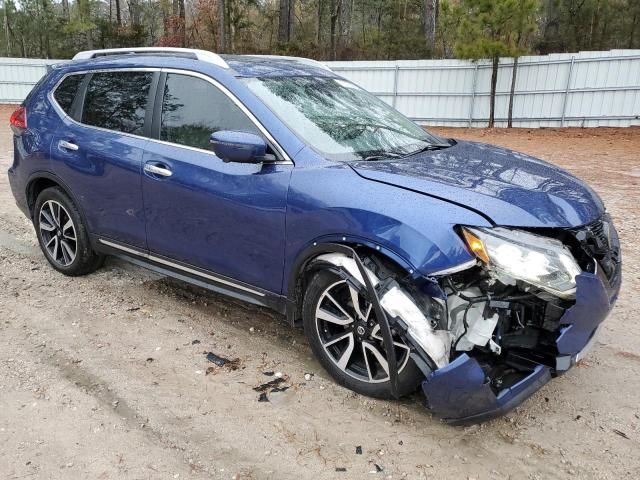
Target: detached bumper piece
462,393
594,301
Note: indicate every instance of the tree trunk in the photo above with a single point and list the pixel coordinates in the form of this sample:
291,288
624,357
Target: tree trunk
364,24
492,99
632,33
134,12
222,45
285,20
430,17
229,32
335,15
346,11
512,93
65,9
118,14
182,26
319,25
7,34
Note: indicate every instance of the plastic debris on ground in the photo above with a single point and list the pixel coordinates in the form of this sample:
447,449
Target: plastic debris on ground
219,361
269,385
273,386
622,434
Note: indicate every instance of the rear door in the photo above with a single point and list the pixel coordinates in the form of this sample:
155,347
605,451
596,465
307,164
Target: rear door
98,149
226,218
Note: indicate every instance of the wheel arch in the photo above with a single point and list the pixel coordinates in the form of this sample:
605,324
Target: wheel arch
39,181
302,270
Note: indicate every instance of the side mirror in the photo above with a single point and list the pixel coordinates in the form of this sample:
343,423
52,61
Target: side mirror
241,147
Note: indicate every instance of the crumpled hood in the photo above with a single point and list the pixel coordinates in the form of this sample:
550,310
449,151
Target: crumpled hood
510,188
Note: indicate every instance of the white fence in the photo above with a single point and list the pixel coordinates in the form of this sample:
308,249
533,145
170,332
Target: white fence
585,89
19,75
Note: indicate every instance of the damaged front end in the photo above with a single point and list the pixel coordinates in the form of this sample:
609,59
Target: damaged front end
489,334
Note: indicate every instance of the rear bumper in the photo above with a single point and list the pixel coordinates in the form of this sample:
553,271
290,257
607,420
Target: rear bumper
460,393
18,192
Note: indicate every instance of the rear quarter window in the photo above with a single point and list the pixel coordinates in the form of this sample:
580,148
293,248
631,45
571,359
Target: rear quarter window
66,92
117,101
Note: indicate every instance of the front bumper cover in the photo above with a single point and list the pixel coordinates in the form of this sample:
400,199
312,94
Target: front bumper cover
460,393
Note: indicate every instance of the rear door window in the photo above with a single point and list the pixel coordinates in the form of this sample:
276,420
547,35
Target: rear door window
66,92
117,101
193,109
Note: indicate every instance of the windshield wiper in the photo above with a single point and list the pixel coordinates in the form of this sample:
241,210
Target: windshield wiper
426,148
430,147
381,156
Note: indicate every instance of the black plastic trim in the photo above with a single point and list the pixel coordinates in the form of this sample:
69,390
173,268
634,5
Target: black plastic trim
261,297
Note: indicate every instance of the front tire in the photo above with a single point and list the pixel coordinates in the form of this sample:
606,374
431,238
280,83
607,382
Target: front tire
62,235
345,337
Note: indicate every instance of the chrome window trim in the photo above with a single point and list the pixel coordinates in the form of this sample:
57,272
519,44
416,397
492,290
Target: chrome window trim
177,266
64,114
287,160
238,103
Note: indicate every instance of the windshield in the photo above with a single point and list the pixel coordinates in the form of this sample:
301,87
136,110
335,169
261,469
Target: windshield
341,120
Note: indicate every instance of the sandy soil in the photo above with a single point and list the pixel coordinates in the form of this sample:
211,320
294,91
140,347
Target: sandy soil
104,376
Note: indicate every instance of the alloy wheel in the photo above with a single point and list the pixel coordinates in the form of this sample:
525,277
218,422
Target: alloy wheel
351,337
58,233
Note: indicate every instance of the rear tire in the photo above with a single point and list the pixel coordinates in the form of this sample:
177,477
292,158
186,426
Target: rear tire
62,235
329,299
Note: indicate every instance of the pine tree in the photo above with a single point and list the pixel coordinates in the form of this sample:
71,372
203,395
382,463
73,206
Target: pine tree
493,29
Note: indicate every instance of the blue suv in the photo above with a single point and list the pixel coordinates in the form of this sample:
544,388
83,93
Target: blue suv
471,271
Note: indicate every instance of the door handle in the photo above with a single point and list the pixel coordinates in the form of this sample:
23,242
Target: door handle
68,145
156,170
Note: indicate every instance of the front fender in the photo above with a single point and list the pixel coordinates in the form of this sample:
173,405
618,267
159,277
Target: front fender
334,204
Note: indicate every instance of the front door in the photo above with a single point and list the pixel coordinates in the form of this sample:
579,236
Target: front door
226,218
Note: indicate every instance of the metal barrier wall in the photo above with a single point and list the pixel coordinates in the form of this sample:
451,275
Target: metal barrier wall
585,89
19,75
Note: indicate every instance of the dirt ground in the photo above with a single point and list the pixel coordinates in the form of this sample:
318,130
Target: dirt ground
104,376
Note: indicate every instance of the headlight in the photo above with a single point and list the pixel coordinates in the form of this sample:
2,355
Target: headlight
540,261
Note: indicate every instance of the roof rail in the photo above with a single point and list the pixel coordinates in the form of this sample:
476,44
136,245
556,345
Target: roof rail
306,61
203,55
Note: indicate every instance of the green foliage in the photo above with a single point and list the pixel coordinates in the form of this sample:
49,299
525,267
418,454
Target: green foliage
573,25
494,28
363,29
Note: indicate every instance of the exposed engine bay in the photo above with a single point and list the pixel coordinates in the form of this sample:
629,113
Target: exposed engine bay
509,330
502,328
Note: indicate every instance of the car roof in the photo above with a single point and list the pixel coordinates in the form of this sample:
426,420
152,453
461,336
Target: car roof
276,66
198,60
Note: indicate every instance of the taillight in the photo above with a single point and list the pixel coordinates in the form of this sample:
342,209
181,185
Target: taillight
18,120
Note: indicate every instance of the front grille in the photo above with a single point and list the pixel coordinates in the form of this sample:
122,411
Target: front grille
599,240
